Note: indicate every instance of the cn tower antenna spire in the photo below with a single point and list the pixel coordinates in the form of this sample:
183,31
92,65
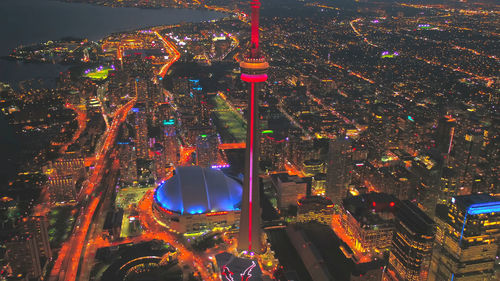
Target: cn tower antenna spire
253,71
254,46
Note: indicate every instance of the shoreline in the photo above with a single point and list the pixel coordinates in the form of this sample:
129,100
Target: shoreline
12,69
9,57
72,13
126,5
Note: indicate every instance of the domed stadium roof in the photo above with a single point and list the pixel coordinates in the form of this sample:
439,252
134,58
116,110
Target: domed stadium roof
197,190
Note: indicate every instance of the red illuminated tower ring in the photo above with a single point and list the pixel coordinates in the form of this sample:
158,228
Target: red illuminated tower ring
253,70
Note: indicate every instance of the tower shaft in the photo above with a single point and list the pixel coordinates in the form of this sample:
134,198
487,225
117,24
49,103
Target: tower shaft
250,221
253,71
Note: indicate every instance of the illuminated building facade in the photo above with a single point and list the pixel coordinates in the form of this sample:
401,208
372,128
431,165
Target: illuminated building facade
170,141
128,162
315,208
319,184
168,122
446,133
141,131
410,256
449,184
159,161
207,150
197,200
474,152
253,71
289,189
70,164
61,190
313,167
466,239
369,220
298,150
339,160
272,149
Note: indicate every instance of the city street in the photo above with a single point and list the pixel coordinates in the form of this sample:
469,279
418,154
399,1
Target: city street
88,228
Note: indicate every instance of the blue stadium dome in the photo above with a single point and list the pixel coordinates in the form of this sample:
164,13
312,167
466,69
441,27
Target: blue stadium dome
197,190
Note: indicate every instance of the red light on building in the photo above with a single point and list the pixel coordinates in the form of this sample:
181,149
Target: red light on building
254,78
216,214
165,210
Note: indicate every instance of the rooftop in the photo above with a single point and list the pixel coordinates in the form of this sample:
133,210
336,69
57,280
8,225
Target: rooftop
414,218
285,177
197,190
477,203
371,209
314,203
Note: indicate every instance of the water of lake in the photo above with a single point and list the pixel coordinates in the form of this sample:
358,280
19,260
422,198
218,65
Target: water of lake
32,21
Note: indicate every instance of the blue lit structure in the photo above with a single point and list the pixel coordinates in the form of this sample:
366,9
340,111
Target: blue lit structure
197,190
472,242
169,122
478,209
484,208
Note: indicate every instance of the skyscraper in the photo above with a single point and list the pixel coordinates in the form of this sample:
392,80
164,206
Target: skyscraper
368,219
466,239
206,150
253,70
141,130
412,242
473,152
446,133
339,155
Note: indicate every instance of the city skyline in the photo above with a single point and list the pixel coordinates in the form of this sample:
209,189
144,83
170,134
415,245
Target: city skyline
254,140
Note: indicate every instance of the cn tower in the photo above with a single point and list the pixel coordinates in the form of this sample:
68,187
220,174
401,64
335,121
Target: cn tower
253,71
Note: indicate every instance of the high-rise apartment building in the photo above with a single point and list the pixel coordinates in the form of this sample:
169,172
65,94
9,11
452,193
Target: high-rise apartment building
466,239
128,162
207,150
141,131
272,149
169,139
159,161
